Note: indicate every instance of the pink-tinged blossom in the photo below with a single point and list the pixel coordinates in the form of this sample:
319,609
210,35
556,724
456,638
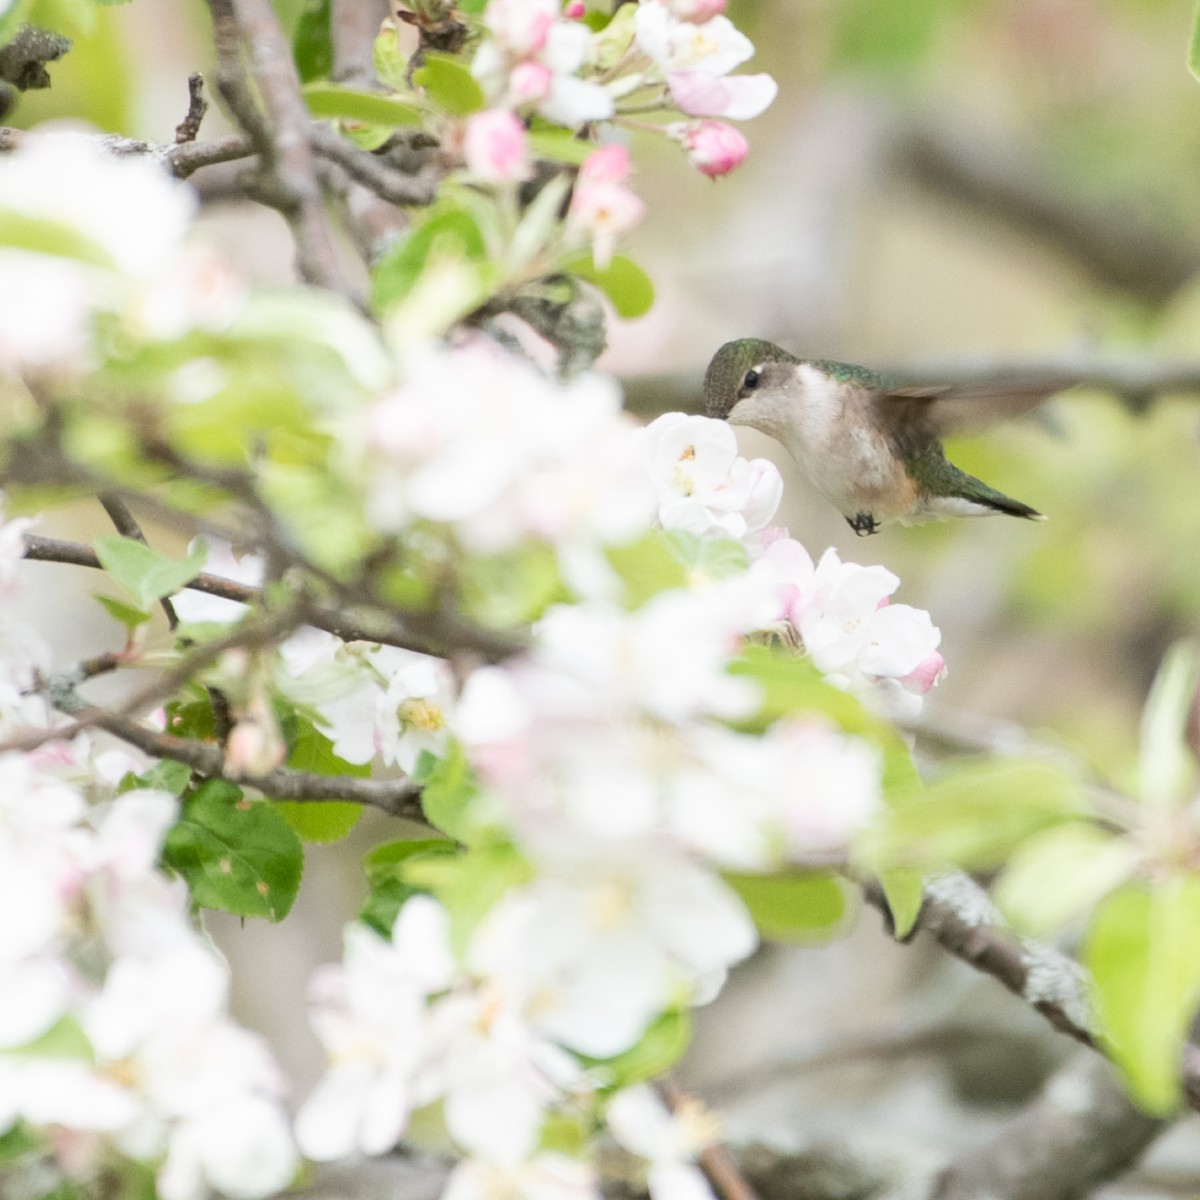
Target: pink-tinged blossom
575,10
608,164
530,83
521,26
602,207
496,147
736,97
703,484
713,147
698,11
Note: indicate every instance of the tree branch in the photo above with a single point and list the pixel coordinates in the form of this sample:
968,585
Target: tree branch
279,130
397,797
383,629
960,915
1081,1131
1135,381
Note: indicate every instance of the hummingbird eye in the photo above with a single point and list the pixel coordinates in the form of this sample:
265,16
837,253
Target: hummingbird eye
751,380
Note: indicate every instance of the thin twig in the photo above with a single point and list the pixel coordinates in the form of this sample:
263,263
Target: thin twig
189,128
714,1160
384,629
280,130
399,797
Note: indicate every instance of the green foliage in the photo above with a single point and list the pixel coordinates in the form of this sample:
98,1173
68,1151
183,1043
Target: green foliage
123,613
389,61
42,235
508,591
449,787
143,572
708,557
622,281
451,232
311,751
340,102
658,1050
1166,767
165,774
64,1039
558,145
13,19
236,855
312,41
1060,875
904,891
468,884
976,814
647,567
1194,45
448,82
388,887
800,906
1143,951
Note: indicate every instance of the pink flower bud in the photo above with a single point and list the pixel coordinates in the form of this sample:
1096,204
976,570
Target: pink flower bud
495,147
602,210
530,83
697,11
925,674
254,747
713,147
576,10
609,164
521,26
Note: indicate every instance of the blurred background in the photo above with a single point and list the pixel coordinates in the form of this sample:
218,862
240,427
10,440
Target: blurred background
940,182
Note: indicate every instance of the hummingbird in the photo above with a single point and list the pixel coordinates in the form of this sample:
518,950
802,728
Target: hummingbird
871,445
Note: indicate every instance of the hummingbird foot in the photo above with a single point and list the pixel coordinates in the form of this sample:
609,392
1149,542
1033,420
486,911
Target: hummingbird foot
863,523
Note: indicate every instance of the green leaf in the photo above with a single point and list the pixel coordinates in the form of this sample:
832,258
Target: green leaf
166,776
453,232
1143,951
124,613
976,815
469,884
507,591
143,572
1194,45
559,145
658,1049
312,41
41,235
320,821
236,855
337,101
708,557
622,281
389,61
74,17
1165,764
448,82
12,20
647,567
1062,874
449,790
19,1140
800,906
64,1039
792,685
538,227
905,893
389,888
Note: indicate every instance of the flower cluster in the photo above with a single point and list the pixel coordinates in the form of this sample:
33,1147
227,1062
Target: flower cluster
539,56
114,1036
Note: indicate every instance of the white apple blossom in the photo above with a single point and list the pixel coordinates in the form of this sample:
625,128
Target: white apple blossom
607,940
669,1142
370,1014
546,1176
480,441
703,484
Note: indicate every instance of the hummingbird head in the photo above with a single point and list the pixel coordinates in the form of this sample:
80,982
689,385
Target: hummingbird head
749,382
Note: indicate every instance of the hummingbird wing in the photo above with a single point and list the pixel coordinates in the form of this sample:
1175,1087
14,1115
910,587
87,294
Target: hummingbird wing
948,408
